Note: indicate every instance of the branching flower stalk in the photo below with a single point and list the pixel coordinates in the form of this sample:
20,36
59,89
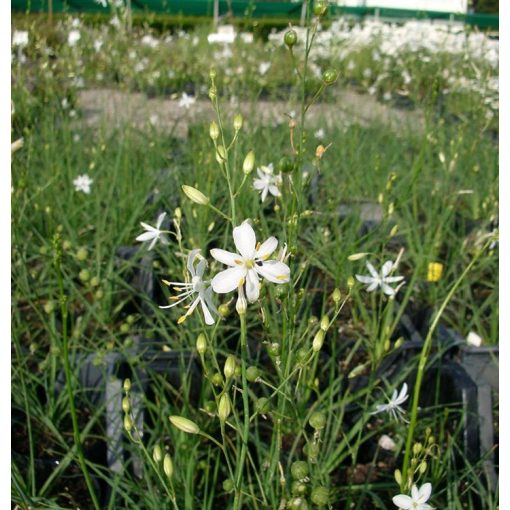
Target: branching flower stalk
57,261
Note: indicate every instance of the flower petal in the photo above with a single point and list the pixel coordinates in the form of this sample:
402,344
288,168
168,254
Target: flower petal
372,271
153,243
266,248
365,279
191,259
244,239
252,286
372,286
386,269
387,289
209,319
160,219
263,195
274,271
425,492
148,227
274,190
146,236
415,493
201,268
393,279
402,501
226,257
403,396
228,280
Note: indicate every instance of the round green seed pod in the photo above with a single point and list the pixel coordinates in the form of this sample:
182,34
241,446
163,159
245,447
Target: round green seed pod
274,349
299,470
290,38
262,405
298,488
317,420
311,450
320,7
285,165
329,76
320,496
228,485
84,275
252,374
301,355
217,379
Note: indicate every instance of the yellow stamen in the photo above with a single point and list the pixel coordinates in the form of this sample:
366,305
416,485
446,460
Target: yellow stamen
242,281
281,277
249,264
180,320
238,262
166,282
257,247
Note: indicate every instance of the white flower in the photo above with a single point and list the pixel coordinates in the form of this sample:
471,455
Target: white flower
382,279
153,234
267,182
393,406
417,500
263,67
186,101
83,183
196,286
20,38
249,265
73,37
320,134
474,339
386,443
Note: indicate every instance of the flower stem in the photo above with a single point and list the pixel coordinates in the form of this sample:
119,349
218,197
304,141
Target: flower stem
246,415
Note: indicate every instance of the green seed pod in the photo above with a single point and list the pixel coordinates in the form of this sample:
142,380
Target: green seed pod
224,407
229,367
312,450
49,307
99,294
238,122
336,296
320,496
168,466
318,340
295,503
290,38
84,275
157,455
126,406
274,349
398,476
124,328
324,322
422,468
128,422
285,165
317,420
299,470
252,374
221,154
228,485
329,76
313,320
81,254
217,379
281,290
210,406
201,344
66,245
212,74
298,488
127,385
320,7
224,310
184,424
302,356
214,131
262,405
249,163
417,447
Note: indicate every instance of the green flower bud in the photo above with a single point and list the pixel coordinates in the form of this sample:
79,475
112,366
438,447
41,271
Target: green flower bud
252,374
422,467
157,455
313,320
49,307
336,296
168,466
184,424
99,294
229,367
126,406
224,407
417,447
290,38
398,476
228,485
124,328
223,310
81,254
128,422
249,163
262,405
238,122
325,323
94,281
320,496
329,76
317,420
299,470
213,92
302,356
221,154
195,195
274,349
127,385
217,379
318,340
311,450
214,130
285,165
66,245
298,488
201,344
210,406
320,7
84,275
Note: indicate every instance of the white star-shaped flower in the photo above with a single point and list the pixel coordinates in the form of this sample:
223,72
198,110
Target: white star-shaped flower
249,264
380,279
83,183
153,234
196,286
417,500
186,101
393,406
267,182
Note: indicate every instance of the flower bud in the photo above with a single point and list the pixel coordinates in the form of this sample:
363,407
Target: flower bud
262,405
127,385
302,356
324,322
157,455
184,424
311,450
350,282
49,307
320,496
249,163
224,407
201,344
318,340
228,485
221,154
238,122
422,468
320,7
329,76
299,470
195,195
81,254
224,310
126,406
241,305
212,93
214,131
128,422
317,420
417,447
290,38
229,367
285,165
274,349
357,256
84,275
252,374
212,74
336,296
217,379
168,466
398,476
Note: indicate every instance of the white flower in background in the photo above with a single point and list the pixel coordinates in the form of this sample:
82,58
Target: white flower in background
197,286
267,182
149,40
153,234
386,443
381,279
20,38
102,3
474,339
186,101
115,22
387,96
393,406
249,264
73,37
154,120
320,134
98,43
264,67
417,500
83,183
